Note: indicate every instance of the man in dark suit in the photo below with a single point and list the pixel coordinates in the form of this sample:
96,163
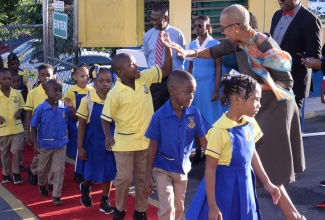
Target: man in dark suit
298,31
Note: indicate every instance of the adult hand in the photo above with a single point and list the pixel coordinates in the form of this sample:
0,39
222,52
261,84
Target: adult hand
215,95
313,63
215,213
274,192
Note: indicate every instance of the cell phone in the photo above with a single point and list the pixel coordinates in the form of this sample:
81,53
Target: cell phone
302,56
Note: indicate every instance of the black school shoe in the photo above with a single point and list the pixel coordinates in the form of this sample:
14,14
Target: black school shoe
106,207
57,201
17,178
6,179
139,215
118,215
31,177
85,198
43,191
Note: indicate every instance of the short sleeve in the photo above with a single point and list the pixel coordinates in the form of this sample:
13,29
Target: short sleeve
36,118
21,102
152,75
70,94
257,131
29,102
109,109
82,111
153,132
202,126
215,142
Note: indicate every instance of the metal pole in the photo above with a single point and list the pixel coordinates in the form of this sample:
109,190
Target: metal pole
45,28
10,39
75,32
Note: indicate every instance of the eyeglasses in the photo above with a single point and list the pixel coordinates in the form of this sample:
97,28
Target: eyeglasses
282,0
197,26
157,20
222,29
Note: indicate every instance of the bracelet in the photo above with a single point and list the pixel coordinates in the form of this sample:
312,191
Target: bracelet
196,52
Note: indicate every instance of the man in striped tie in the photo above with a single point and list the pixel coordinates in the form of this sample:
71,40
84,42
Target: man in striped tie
154,51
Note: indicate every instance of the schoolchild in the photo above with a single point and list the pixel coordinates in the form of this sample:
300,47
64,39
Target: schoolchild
172,131
228,190
49,125
129,104
75,93
13,65
34,98
15,85
11,128
99,164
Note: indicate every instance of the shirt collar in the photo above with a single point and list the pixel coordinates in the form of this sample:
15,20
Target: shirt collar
10,93
206,41
47,106
39,89
169,111
76,88
296,9
226,123
94,97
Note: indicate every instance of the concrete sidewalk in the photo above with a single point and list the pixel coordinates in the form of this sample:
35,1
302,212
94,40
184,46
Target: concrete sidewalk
314,107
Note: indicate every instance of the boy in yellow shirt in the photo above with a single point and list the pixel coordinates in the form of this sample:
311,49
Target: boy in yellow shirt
11,128
129,104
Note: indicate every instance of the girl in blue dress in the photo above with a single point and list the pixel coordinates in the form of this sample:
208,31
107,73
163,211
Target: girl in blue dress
228,190
99,164
75,93
207,73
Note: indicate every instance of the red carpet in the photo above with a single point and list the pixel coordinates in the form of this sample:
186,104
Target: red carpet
72,208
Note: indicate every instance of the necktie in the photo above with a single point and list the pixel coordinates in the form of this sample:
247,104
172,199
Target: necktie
290,13
159,47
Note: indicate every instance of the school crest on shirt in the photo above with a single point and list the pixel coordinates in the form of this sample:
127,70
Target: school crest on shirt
191,123
63,114
146,90
16,100
248,135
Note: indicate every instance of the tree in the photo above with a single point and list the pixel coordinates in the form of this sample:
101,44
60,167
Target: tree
9,12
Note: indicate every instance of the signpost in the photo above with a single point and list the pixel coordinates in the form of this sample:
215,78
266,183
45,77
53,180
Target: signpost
60,25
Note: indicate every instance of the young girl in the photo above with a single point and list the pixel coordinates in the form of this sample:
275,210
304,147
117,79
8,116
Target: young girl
207,73
99,164
75,94
13,65
228,191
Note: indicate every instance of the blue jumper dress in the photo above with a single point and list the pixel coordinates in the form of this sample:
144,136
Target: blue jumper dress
235,184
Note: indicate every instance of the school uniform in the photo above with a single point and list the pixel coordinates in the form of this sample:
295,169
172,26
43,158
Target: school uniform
172,163
11,131
75,93
100,165
34,98
51,124
131,110
233,145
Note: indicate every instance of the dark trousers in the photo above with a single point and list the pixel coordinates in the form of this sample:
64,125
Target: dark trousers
160,94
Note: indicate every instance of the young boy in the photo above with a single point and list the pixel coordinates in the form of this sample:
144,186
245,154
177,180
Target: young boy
11,128
34,98
15,85
171,132
49,135
129,104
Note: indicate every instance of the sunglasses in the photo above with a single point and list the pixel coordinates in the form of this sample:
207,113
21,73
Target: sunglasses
282,0
222,29
197,26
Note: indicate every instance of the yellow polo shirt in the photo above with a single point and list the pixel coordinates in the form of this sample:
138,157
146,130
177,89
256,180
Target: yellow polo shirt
35,97
83,111
131,111
219,144
24,76
71,95
8,108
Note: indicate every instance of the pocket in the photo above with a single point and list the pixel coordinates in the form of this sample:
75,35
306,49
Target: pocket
125,131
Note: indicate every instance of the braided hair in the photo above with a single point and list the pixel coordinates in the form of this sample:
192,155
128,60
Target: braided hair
238,84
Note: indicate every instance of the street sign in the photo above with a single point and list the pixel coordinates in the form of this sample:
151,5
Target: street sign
58,6
60,25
